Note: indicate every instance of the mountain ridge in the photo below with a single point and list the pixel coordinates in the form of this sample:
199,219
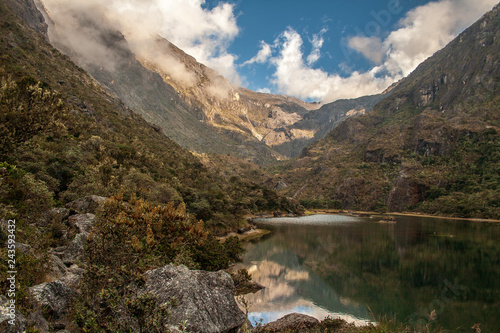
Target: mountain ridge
426,147
193,98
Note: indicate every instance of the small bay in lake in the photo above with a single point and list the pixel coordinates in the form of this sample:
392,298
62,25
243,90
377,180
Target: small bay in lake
360,270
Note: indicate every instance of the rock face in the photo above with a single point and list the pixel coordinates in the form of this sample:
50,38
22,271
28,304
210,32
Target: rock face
205,299
56,296
75,250
294,321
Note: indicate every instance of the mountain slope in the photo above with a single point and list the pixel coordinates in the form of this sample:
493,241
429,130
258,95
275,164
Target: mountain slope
68,137
431,146
194,105
320,122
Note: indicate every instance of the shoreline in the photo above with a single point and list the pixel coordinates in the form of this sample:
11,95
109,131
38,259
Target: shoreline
410,214
248,235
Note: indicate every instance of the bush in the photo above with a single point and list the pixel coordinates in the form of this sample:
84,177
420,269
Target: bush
129,238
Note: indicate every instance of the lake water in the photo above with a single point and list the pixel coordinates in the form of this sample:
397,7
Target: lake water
360,270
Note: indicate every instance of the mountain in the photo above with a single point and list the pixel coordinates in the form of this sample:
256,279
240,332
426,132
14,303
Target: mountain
64,136
319,122
193,104
432,145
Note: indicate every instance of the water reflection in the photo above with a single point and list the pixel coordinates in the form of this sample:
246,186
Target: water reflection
350,267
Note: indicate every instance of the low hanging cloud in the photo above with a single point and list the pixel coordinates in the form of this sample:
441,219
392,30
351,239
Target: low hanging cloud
423,31
202,33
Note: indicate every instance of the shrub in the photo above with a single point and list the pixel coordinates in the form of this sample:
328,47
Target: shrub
129,238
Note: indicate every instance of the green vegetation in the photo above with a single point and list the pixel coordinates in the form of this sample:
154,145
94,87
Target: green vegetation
128,239
63,137
73,139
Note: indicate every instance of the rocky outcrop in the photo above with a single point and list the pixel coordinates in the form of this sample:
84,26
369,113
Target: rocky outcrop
205,299
88,204
73,252
295,322
57,269
406,192
37,320
54,296
82,221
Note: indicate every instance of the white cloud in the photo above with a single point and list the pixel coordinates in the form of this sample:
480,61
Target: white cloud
205,34
317,43
426,29
423,31
294,77
370,47
262,56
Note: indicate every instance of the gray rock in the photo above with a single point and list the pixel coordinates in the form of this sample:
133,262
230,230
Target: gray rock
57,269
23,248
88,204
83,222
76,270
294,321
205,299
75,250
7,314
71,280
37,320
56,296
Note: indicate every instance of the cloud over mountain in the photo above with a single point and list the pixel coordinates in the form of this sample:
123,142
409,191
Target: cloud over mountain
423,31
207,33
203,33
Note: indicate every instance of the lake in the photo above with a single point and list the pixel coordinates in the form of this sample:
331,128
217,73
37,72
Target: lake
361,270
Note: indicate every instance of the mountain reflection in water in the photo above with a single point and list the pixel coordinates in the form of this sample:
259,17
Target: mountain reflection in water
349,267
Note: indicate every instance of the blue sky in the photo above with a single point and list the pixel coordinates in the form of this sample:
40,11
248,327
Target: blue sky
317,50
336,21
335,25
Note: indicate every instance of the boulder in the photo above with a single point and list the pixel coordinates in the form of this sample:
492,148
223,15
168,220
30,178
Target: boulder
7,315
82,221
205,299
71,280
57,269
75,250
38,322
296,322
55,296
88,204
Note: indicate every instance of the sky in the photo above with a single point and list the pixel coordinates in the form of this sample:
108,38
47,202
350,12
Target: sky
317,50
